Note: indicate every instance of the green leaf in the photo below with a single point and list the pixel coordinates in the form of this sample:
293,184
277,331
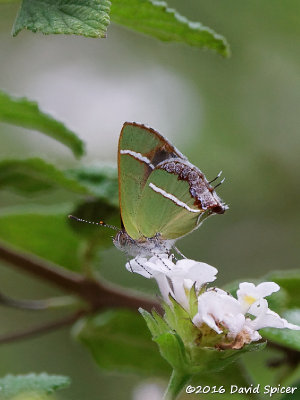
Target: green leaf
155,322
172,349
152,324
25,113
285,337
156,19
119,340
33,176
12,385
78,17
205,359
290,282
99,180
41,234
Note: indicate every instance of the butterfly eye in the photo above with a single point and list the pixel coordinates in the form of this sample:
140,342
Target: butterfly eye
122,238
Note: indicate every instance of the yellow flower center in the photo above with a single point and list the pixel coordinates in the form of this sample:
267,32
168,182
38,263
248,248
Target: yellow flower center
249,299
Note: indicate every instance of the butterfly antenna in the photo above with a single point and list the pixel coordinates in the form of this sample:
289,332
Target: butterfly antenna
220,183
101,223
218,176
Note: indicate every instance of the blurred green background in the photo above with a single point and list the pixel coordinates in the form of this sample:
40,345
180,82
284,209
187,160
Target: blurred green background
239,115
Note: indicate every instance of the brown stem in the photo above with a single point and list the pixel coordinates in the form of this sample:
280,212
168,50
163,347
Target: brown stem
96,294
40,329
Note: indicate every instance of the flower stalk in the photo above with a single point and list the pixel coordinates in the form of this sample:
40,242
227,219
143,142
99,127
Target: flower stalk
203,328
177,382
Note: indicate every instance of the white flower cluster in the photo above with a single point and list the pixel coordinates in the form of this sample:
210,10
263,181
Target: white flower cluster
236,320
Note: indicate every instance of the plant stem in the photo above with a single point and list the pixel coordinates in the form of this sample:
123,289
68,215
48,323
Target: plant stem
176,383
98,295
41,329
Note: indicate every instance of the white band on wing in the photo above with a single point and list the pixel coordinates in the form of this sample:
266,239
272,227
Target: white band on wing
172,198
138,156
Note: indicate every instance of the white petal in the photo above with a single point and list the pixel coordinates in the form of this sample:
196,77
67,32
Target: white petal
197,271
200,273
138,266
199,319
164,286
235,323
159,258
246,287
267,288
248,293
188,284
180,293
216,307
160,264
253,334
265,318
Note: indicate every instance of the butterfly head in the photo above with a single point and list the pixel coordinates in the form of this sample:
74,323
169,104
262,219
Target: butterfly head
143,247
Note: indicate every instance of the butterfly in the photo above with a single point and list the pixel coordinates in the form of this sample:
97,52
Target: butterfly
162,196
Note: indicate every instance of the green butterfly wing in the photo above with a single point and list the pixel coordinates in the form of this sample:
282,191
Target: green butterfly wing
167,207
141,149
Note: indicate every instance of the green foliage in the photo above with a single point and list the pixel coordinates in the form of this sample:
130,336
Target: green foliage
289,281
12,385
39,234
33,176
25,113
78,17
156,19
76,244
179,343
100,181
120,341
92,17
172,349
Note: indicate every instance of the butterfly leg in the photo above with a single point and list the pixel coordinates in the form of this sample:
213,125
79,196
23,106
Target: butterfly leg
139,264
129,262
142,266
179,252
161,259
168,251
